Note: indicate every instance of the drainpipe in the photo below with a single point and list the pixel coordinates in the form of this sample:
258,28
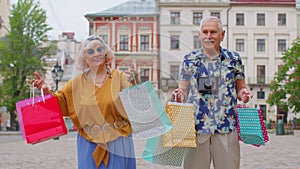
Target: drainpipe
158,47
228,26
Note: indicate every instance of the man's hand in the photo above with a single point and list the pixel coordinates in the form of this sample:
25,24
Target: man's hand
244,95
178,95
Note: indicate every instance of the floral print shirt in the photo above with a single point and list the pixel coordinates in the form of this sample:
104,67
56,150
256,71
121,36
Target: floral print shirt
214,112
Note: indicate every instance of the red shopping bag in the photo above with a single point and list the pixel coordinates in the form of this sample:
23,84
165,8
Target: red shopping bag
40,119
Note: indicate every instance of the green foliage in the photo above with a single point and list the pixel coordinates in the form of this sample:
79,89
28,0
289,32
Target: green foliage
21,52
285,85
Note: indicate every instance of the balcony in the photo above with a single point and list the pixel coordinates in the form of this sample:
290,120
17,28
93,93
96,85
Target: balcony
261,81
254,82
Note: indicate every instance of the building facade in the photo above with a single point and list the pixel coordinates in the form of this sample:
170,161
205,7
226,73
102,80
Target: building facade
4,17
154,35
179,34
259,30
131,30
65,56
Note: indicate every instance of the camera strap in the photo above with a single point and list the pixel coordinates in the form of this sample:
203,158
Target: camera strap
220,70
216,79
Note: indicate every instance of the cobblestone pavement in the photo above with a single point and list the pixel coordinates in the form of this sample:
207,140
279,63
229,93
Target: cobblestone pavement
281,152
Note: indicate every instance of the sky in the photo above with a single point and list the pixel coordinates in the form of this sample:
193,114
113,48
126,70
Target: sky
68,15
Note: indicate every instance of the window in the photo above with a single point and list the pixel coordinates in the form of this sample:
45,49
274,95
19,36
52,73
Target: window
281,19
260,95
261,45
281,45
263,109
175,72
144,43
124,42
197,42
174,42
240,19
124,69
144,74
105,38
197,17
240,45
260,19
216,14
261,73
175,18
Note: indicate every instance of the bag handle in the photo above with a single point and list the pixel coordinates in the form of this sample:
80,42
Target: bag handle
175,95
133,78
32,94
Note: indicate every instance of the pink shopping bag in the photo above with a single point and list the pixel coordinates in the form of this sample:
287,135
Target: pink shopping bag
40,118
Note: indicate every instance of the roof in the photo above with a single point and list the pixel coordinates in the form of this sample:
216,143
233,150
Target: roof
270,2
129,8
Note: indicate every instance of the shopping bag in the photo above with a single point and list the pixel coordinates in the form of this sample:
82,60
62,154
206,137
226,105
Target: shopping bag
156,153
23,103
183,132
145,111
250,126
40,118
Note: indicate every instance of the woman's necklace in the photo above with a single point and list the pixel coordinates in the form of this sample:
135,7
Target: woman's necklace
102,81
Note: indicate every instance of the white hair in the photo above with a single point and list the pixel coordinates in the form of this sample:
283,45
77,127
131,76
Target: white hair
212,18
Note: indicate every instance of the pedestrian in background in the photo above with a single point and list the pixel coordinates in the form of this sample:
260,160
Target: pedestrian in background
92,101
5,116
212,78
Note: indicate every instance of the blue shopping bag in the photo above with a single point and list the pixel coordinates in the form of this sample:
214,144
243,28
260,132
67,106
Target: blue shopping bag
145,111
156,153
250,125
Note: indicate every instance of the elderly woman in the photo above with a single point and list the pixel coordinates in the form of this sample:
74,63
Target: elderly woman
92,101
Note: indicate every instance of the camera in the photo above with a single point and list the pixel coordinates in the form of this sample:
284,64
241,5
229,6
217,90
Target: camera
207,85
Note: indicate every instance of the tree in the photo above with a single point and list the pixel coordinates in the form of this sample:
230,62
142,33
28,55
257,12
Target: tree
285,91
21,52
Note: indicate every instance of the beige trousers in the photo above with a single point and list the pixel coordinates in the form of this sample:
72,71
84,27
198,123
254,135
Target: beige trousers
222,149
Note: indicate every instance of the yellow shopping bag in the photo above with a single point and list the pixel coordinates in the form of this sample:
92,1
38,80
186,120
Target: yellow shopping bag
183,133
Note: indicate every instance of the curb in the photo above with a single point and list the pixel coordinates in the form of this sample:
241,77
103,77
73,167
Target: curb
7,133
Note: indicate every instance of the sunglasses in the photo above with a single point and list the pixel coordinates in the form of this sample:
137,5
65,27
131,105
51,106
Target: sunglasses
91,38
99,50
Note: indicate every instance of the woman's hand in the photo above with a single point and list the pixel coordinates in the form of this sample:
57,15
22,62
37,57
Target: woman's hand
132,76
39,83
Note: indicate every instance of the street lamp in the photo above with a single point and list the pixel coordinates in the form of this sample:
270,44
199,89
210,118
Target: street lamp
57,74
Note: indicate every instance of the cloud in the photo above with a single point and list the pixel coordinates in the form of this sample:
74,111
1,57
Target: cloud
68,15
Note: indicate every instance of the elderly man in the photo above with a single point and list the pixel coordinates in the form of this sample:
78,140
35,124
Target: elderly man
212,78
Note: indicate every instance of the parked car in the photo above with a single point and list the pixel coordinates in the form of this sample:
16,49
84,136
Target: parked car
69,124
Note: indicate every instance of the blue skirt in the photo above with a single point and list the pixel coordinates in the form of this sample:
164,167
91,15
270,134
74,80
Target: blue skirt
121,154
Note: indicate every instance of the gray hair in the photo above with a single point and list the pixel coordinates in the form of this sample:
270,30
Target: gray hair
88,43
212,18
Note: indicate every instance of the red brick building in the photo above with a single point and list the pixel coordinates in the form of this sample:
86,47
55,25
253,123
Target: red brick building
131,29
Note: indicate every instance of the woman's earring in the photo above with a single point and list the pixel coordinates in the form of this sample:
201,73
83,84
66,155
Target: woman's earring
108,71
